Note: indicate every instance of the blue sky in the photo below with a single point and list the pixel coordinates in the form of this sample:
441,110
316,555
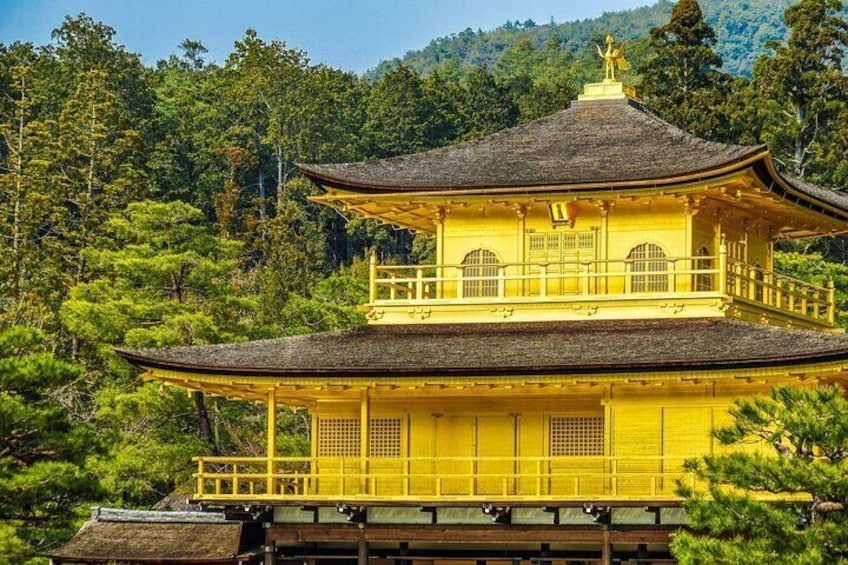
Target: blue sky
353,35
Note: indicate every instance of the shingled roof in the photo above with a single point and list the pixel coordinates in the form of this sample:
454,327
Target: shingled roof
590,142
131,536
508,348
601,142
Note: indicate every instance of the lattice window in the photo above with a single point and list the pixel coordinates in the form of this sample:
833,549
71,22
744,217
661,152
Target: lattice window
647,258
385,437
587,240
338,437
537,242
703,281
577,436
482,266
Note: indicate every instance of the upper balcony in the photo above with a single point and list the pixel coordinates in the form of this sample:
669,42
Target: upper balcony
629,288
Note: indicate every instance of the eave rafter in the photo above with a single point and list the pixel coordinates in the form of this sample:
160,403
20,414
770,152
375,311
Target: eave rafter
307,391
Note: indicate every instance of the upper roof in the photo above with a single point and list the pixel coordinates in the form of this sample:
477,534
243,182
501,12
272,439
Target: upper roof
508,348
590,142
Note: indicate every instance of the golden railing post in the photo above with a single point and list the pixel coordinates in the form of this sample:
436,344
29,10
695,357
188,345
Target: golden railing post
737,279
722,268
792,296
501,281
372,277
584,270
752,283
271,448
543,280
672,275
200,479
831,302
419,284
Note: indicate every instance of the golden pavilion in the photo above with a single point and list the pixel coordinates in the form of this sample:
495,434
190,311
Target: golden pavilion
603,288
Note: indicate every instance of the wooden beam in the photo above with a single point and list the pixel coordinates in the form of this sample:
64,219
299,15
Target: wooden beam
466,533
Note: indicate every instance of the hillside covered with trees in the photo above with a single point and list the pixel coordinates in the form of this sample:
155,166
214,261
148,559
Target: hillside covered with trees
742,28
161,206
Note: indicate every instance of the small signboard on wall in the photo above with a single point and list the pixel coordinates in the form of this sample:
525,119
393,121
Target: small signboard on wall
563,213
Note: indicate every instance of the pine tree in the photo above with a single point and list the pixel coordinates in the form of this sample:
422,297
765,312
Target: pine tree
805,82
43,474
680,80
26,204
487,105
803,439
398,115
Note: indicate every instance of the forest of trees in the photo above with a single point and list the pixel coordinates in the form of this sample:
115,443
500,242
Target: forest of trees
161,206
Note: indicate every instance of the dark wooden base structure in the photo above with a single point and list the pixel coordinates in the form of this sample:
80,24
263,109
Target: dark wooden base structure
396,544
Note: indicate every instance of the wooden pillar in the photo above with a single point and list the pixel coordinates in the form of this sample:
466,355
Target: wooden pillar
362,555
271,446
606,549
364,437
372,278
439,221
521,256
603,248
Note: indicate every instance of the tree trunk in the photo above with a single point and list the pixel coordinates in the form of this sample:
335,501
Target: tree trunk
203,423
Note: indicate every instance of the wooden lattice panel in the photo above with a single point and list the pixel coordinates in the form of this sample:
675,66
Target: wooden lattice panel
577,436
338,437
385,437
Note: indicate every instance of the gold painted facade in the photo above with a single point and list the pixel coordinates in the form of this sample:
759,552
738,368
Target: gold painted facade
693,247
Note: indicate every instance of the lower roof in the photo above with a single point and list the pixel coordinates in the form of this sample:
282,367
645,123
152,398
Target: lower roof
508,348
119,536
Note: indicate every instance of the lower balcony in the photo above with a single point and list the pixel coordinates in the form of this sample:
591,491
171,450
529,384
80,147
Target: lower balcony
650,287
423,481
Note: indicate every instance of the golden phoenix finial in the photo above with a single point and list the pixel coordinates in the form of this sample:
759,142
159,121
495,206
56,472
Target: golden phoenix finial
613,57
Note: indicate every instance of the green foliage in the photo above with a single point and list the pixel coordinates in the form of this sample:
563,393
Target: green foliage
804,78
680,78
43,477
163,280
742,31
804,434
814,268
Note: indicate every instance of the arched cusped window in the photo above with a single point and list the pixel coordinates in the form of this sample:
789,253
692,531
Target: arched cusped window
703,281
648,258
480,271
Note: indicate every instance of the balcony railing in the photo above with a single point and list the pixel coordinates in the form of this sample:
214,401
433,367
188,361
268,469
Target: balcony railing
600,280
458,479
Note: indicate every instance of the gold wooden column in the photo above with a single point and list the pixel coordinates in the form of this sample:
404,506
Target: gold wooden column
271,447
439,222
364,438
521,213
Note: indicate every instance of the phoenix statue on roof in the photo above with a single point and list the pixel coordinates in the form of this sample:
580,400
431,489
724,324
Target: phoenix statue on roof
612,58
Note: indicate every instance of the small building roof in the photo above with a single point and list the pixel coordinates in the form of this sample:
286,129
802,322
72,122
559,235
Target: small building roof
508,348
132,536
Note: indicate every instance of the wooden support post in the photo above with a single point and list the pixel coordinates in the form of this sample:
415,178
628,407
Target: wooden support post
419,284
543,280
606,548
270,551
831,302
364,437
362,554
372,278
722,268
271,446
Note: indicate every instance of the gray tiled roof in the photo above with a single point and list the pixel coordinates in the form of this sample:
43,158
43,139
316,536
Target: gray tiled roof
509,348
590,142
